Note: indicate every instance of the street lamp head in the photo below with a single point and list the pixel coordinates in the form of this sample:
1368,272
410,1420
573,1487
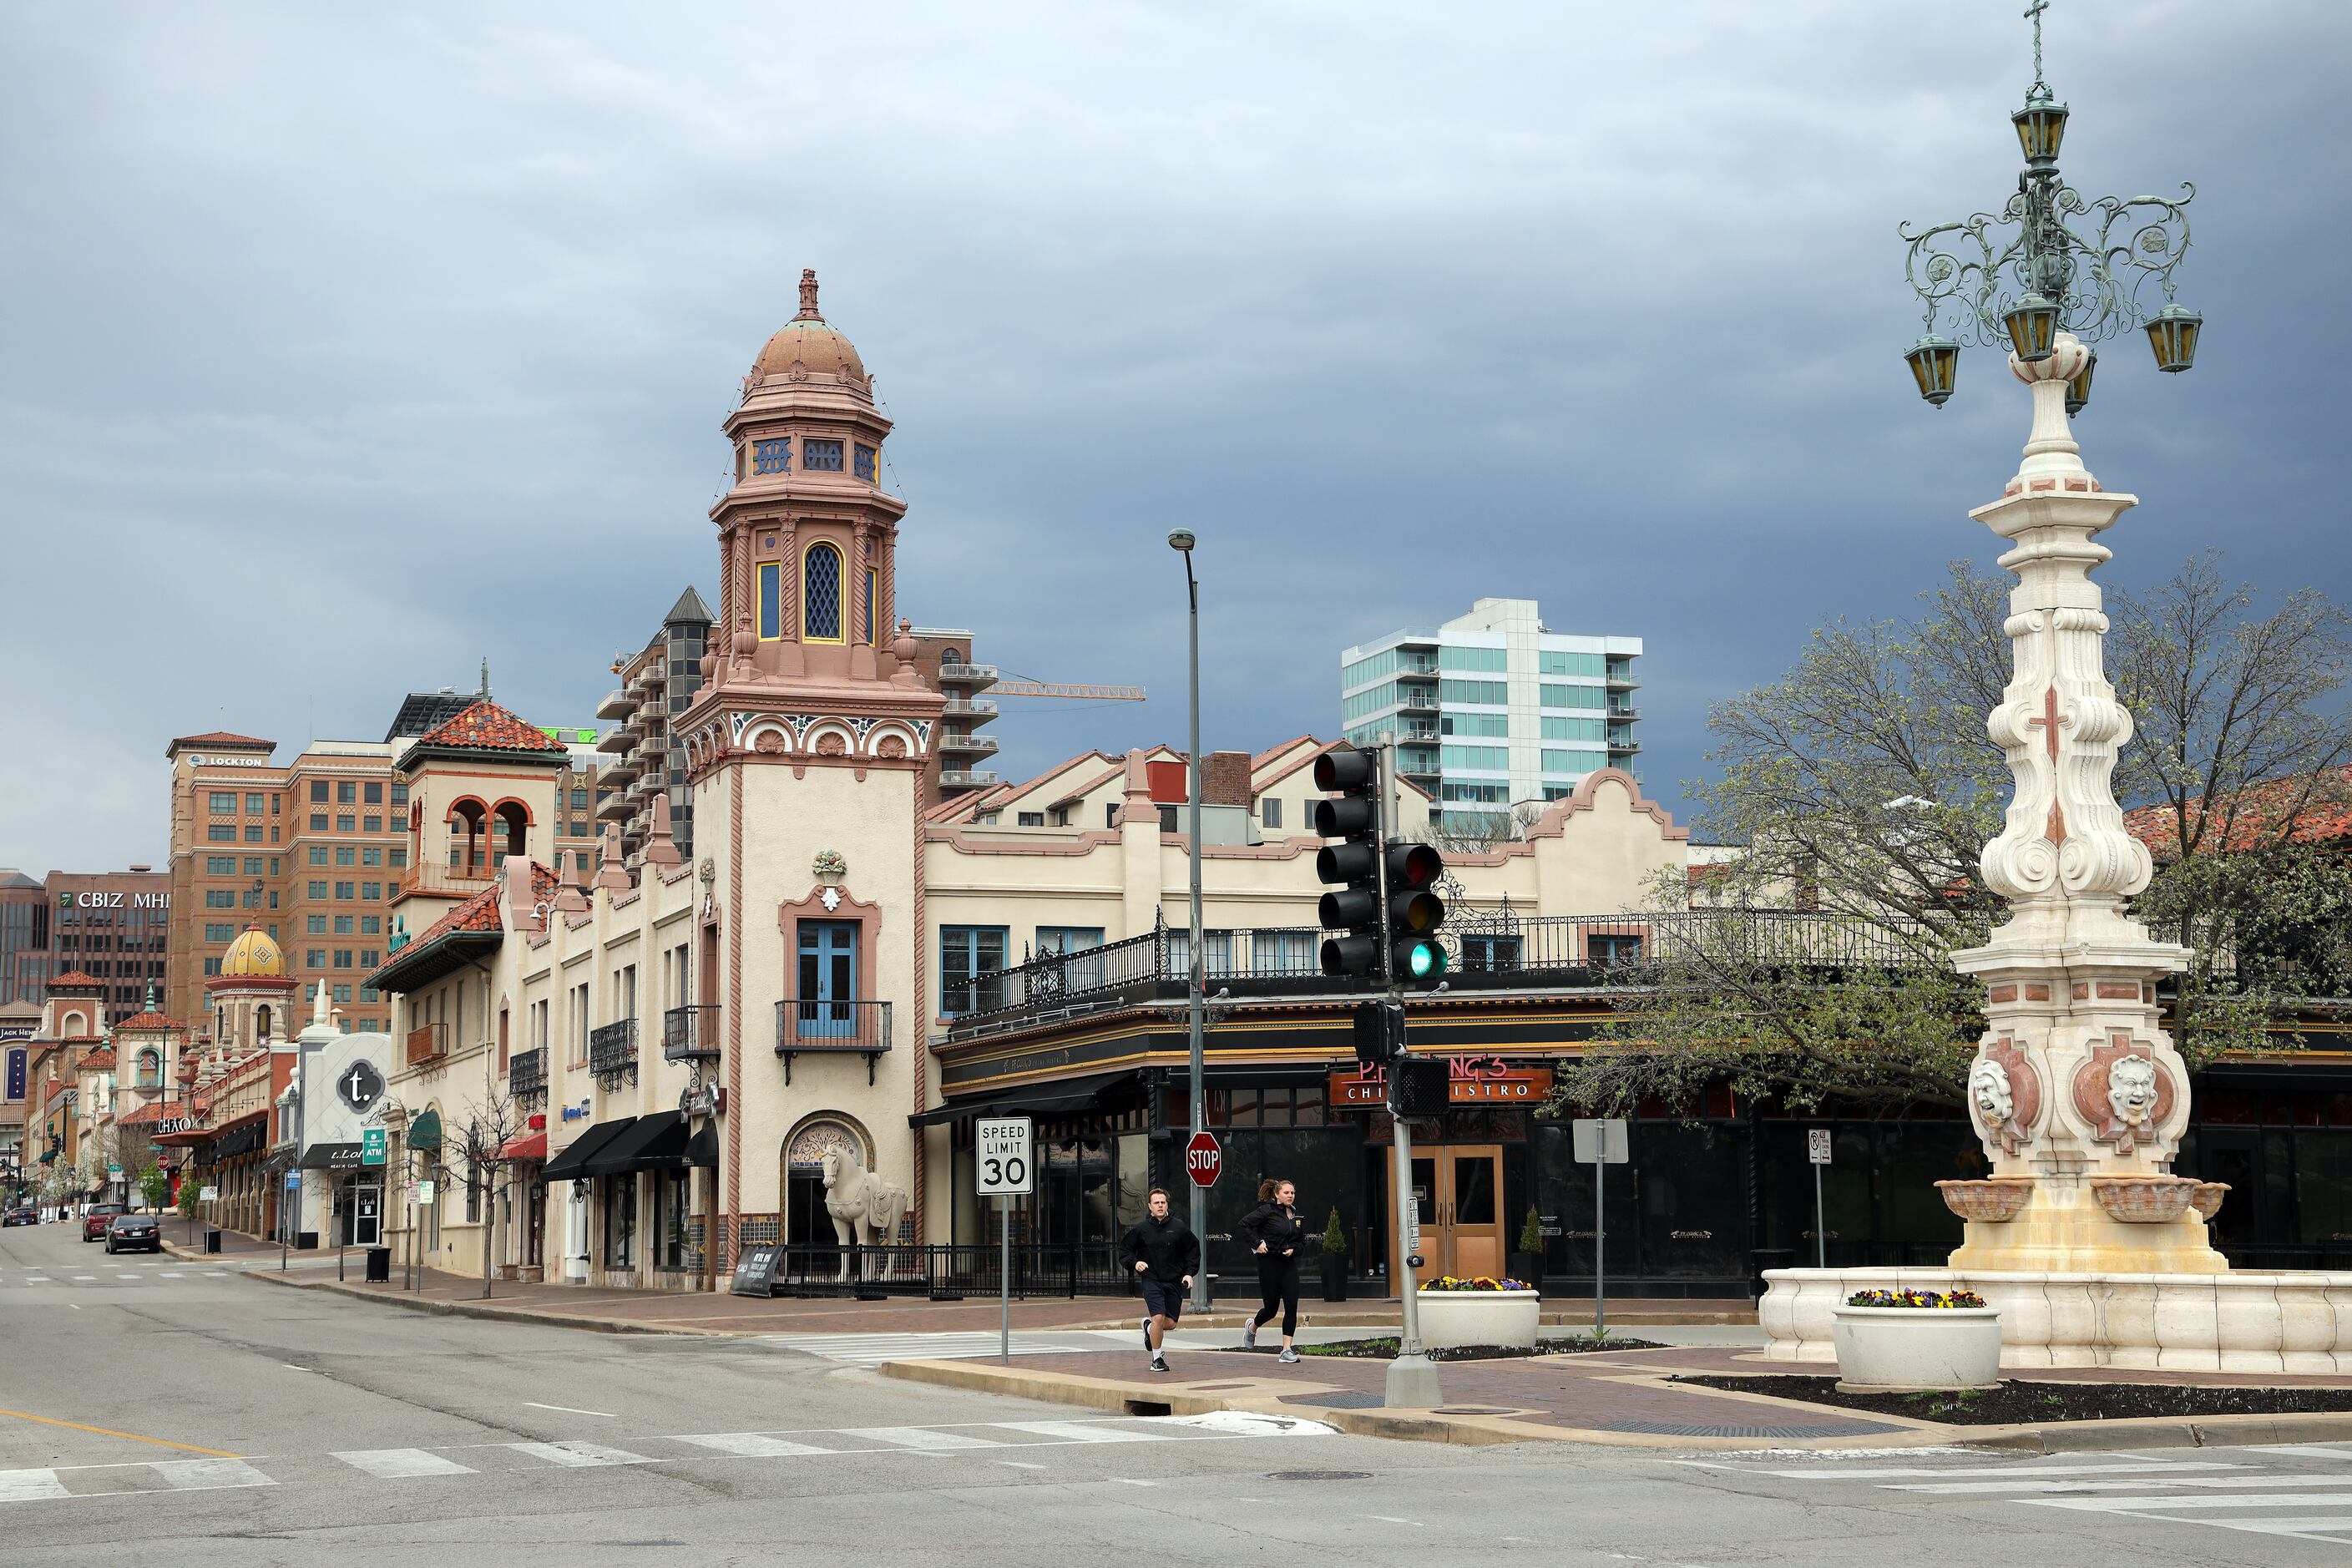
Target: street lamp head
2078,390
1935,364
1180,540
2033,326
2172,332
2041,127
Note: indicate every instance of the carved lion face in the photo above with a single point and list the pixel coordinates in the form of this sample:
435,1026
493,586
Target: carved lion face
1989,1090
2131,1090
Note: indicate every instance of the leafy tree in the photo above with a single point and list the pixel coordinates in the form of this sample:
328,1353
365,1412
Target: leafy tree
155,1187
1860,787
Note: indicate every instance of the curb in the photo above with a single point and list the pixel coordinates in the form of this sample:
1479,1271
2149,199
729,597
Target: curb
447,1309
1234,1317
2161,1432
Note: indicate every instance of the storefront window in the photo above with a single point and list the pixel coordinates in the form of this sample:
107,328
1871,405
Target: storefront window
621,1222
672,1199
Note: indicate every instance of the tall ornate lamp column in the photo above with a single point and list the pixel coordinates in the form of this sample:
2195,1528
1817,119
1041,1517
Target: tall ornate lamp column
2079,1095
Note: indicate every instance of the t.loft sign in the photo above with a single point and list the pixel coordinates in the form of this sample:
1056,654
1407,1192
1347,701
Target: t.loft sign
1469,1080
103,901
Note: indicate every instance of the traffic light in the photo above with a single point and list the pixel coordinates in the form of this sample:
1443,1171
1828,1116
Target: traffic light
1356,865
1379,1033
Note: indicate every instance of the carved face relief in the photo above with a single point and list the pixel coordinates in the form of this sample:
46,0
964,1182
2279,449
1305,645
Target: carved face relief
2131,1090
2004,1095
1989,1090
2123,1092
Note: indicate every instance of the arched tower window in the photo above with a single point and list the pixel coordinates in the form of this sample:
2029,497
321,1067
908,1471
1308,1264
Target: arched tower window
514,827
151,1069
821,595
261,1023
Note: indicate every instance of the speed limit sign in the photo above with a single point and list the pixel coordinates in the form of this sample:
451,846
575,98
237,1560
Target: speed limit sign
1003,1157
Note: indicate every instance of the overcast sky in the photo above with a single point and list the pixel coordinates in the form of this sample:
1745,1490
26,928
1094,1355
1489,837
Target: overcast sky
342,346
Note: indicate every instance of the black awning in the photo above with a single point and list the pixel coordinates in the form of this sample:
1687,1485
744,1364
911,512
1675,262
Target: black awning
702,1149
657,1142
619,1157
331,1157
567,1164
1039,1100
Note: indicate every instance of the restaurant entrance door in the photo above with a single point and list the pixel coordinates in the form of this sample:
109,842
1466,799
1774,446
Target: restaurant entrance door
1459,1190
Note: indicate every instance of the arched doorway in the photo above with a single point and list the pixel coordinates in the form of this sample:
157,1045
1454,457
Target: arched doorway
806,1224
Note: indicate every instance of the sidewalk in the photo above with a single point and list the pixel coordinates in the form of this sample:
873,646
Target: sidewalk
707,1312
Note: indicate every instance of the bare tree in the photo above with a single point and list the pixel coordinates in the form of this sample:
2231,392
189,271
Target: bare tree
480,1141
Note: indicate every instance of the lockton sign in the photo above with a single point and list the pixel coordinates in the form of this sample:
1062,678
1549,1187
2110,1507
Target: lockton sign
1469,1080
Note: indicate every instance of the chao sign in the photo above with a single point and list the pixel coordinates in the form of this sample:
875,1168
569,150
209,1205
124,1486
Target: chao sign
1469,1080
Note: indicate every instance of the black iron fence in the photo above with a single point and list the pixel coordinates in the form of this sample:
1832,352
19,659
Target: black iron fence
526,1076
689,1033
612,1052
950,1272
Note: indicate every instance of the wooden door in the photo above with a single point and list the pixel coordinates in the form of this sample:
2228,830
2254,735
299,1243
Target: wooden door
1460,1189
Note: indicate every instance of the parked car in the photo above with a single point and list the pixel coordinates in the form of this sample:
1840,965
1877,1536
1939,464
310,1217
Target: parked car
94,1222
19,1216
133,1233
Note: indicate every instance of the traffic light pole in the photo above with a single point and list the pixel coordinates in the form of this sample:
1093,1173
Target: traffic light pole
1413,1376
1196,990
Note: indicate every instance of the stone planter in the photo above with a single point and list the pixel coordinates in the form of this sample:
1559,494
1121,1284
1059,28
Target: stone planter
1994,1198
2207,1198
1452,1318
2144,1200
1917,1347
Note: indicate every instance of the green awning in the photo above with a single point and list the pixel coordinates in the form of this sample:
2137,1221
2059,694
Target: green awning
425,1133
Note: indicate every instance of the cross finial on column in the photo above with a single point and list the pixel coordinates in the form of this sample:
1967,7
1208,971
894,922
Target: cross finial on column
2034,15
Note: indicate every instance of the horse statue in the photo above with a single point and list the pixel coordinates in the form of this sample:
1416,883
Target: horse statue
866,1209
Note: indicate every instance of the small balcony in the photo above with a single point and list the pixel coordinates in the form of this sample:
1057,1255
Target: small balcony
1622,712
970,745
1418,702
617,704
965,778
1622,680
690,1034
964,707
619,772
616,808
613,1054
832,1027
1625,748
427,1044
971,675
527,1077
616,742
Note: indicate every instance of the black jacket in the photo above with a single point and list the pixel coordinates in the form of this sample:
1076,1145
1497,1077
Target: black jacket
1277,1227
1166,1247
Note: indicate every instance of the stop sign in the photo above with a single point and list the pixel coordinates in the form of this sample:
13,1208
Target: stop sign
1204,1159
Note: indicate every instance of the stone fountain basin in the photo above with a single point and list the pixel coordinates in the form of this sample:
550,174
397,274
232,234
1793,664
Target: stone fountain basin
2232,1321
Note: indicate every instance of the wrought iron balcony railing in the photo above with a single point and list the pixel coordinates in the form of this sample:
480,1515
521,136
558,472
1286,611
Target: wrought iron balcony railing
527,1077
690,1034
825,1027
613,1054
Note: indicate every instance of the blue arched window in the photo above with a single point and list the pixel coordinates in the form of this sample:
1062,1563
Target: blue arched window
821,595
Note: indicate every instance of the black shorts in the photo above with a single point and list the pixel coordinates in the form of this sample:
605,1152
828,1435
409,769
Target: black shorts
1164,1298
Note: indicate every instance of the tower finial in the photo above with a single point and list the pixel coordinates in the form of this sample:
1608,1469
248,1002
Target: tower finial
2033,14
486,678
808,292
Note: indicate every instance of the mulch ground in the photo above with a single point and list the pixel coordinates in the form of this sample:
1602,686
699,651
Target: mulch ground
2020,1400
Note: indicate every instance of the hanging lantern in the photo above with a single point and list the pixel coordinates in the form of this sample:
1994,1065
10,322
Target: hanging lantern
2172,332
2041,126
2078,391
1935,364
2034,327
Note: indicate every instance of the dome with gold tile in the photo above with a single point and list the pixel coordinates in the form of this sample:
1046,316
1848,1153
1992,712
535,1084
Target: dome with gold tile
253,954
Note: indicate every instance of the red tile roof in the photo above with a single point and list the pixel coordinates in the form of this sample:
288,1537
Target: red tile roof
74,980
153,1111
222,738
480,912
149,1021
99,1060
487,726
2276,811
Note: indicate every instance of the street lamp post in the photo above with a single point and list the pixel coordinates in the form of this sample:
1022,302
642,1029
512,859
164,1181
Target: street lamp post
2076,1089
1196,989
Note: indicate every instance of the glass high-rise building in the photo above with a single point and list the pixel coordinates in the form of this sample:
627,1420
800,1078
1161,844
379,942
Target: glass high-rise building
1493,709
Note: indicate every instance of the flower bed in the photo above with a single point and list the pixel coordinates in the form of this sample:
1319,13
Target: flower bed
1917,1339
1917,1300
1480,1311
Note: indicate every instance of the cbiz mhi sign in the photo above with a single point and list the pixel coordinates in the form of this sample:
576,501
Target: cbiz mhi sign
102,900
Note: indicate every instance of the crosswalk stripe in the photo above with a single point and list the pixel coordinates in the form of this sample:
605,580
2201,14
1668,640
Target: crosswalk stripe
1876,1473
30,1486
2338,1525
400,1464
206,1474
2084,1483
751,1444
919,1437
2184,1504
2310,1450
1083,1432
579,1455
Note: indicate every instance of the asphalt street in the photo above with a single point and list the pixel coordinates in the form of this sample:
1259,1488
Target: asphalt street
188,1415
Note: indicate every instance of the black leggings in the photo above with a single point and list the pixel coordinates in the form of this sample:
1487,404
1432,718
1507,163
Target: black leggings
1277,1286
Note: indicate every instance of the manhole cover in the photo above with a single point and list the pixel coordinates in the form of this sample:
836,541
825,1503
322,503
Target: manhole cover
1320,1476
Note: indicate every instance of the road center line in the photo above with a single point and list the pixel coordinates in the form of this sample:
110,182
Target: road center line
110,1432
567,1409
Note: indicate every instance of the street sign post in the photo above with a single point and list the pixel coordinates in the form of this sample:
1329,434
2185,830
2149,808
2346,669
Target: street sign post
371,1145
1600,1144
1003,1169
1204,1158
1817,1149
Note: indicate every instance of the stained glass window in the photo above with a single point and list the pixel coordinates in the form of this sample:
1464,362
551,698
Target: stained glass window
870,606
773,457
821,456
865,461
821,587
772,583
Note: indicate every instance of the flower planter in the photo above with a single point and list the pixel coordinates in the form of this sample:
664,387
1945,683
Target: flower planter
2144,1200
1915,1347
1452,1318
1335,1279
1993,1198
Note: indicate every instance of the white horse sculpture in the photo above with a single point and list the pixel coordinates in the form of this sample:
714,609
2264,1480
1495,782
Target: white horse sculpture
866,1209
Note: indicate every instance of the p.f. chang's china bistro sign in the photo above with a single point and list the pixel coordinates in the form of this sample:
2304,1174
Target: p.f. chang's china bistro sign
1469,1080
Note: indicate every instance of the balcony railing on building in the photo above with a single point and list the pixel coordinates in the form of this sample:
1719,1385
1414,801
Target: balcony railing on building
955,740
613,1054
967,674
819,1026
690,1034
968,707
965,778
427,1044
1488,951
527,1077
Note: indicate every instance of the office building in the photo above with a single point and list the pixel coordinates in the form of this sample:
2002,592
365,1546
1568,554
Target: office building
111,926
647,759
1493,710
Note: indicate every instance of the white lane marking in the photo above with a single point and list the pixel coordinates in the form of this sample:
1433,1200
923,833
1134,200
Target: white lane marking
1390,1519
2325,1529
28,1486
1021,1464
2189,1504
1122,1480
216,1273
751,1444
2309,1450
2135,1483
85,1279
1951,1472
400,1464
872,1350
206,1475
74,1305
918,1437
1247,1424
571,1410
1081,1432
578,1456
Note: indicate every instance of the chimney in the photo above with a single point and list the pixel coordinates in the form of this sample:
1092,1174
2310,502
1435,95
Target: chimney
1225,778
661,850
522,911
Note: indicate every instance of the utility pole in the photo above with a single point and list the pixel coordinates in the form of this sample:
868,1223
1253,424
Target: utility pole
1196,990
1413,1376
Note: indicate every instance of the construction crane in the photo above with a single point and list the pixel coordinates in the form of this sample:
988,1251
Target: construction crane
1025,688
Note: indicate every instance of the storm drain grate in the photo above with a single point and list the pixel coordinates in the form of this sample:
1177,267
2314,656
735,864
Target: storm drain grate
1698,1429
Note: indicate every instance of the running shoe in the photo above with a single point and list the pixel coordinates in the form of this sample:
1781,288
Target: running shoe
1288,1358
1147,1330
1159,1363
1249,1334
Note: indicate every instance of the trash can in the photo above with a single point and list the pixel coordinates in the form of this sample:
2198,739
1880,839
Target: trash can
212,1241
379,1266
